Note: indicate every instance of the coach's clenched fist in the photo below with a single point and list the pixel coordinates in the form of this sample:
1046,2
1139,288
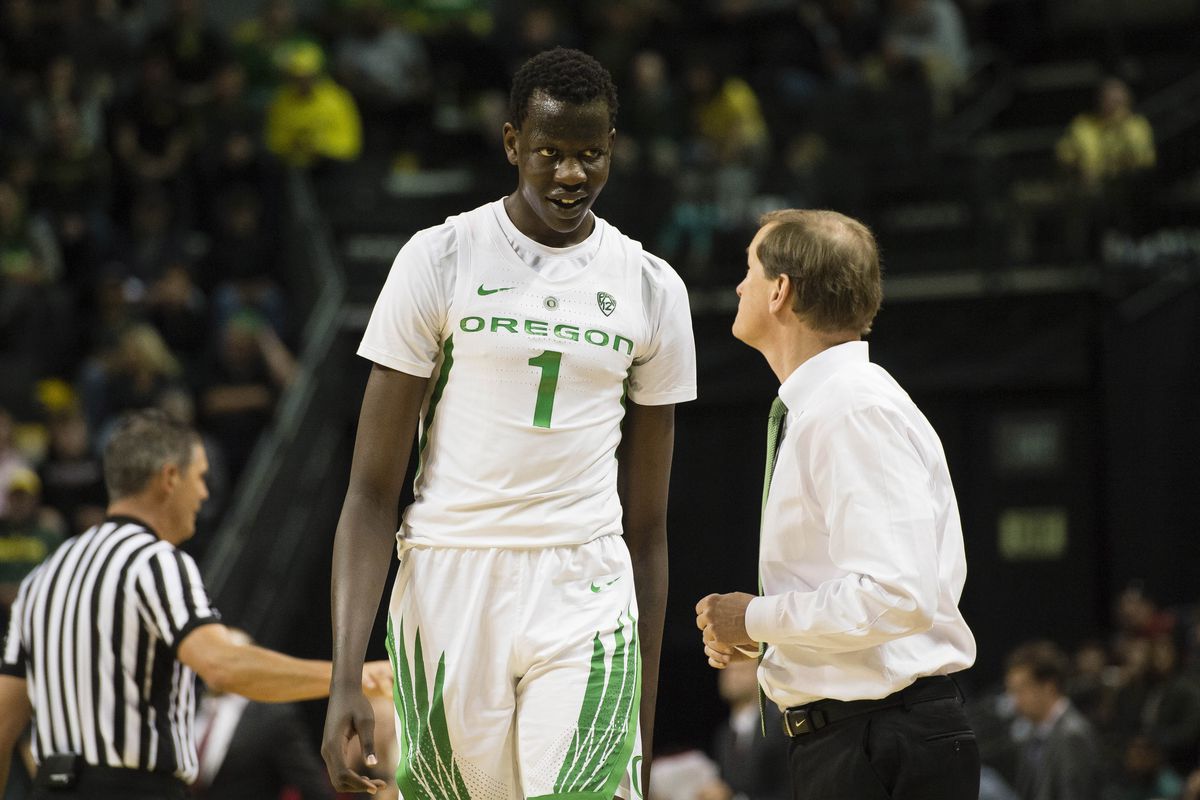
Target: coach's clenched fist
722,621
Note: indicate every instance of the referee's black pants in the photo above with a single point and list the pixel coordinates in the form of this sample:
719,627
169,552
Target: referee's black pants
105,783
922,751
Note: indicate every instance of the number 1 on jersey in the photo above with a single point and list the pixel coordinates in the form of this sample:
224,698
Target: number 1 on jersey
547,361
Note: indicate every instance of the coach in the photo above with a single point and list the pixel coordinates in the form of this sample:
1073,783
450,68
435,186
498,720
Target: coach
106,636
861,555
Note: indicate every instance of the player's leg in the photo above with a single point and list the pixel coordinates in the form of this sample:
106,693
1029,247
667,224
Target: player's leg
577,702
449,637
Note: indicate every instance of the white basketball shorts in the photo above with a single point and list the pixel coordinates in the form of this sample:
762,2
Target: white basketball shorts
517,673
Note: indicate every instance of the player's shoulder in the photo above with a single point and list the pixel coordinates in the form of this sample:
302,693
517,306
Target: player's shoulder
436,242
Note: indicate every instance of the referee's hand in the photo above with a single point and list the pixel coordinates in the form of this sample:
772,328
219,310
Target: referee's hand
349,715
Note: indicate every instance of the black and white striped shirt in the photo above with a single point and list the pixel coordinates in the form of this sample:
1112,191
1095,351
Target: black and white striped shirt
94,631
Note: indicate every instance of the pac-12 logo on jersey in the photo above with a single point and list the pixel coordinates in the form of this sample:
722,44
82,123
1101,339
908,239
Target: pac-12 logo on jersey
607,303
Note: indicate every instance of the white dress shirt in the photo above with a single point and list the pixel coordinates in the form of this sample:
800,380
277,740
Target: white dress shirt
861,557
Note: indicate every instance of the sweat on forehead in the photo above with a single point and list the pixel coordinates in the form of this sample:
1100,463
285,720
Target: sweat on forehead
553,116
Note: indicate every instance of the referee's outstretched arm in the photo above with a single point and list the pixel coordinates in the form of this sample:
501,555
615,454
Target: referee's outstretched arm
228,665
15,713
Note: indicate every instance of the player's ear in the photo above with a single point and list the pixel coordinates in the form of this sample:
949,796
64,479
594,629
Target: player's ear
510,142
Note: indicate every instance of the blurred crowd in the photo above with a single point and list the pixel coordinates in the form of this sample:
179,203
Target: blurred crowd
140,254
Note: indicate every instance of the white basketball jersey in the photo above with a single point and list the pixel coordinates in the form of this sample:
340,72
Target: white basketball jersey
529,371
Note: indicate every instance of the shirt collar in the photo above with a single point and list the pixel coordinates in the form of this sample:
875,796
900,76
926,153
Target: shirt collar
808,377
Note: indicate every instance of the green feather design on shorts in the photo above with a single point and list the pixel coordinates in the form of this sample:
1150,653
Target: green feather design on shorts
607,731
427,770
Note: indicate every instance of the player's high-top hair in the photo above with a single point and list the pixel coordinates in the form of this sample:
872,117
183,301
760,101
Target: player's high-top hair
571,76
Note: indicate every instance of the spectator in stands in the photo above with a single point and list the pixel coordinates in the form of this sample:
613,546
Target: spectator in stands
194,47
178,309
29,253
72,190
262,43
1105,154
311,118
1138,616
22,46
28,532
34,315
241,266
90,33
1092,683
128,377
1144,775
726,116
155,239
151,135
652,112
750,749
931,35
11,459
1060,754
386,68
1109,143
64,88
249,371
72,476
1158,702
233,154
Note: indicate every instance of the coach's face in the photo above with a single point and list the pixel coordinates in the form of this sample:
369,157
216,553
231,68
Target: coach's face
755,294
189,493
562,153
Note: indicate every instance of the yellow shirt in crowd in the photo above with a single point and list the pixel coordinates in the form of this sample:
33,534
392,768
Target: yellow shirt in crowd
324,123
1099,149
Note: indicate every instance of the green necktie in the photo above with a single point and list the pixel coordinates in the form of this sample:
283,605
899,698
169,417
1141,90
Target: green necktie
774,428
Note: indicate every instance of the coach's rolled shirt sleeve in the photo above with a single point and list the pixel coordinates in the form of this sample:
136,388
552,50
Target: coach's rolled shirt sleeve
862,556
171,596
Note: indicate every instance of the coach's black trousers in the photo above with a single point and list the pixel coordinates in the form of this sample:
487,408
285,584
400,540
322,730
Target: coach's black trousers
925,751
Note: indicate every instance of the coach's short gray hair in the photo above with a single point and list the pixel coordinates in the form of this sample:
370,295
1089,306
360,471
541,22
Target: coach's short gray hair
142,443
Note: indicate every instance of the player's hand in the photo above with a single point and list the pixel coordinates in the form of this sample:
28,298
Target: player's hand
722,621
349,715
377,679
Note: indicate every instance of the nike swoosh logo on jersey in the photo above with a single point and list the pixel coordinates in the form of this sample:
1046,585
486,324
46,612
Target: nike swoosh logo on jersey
485,292
604,586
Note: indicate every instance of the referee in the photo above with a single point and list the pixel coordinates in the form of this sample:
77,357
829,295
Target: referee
107,635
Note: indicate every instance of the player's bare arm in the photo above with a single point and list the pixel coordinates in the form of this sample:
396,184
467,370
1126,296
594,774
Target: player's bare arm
644,477
15,712
365,538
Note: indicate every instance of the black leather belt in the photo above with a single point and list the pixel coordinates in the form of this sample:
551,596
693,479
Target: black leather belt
809,718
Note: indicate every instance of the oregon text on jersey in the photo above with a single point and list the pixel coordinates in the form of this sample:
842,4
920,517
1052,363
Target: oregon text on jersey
534,327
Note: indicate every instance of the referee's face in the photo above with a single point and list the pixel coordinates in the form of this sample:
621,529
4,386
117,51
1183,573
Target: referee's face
190,494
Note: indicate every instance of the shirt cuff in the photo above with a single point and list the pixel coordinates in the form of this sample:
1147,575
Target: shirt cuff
760,618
